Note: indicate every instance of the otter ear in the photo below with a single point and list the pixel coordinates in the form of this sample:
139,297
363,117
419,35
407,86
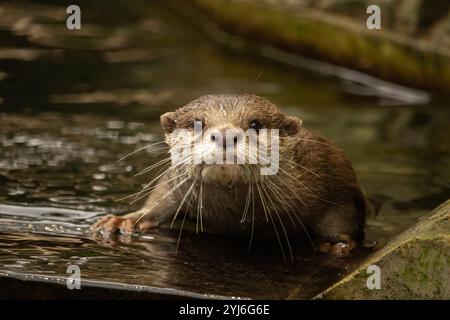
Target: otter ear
168,121
291,124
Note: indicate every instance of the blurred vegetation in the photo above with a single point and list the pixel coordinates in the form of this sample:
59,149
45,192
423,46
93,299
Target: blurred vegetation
410,49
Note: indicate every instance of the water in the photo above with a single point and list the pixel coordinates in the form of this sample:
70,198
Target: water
74,102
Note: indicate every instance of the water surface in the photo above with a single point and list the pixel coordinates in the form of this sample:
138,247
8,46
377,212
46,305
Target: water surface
74,102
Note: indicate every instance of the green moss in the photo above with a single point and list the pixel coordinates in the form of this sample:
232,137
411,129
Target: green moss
414,265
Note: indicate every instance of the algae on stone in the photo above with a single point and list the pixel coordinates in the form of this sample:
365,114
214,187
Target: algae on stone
414,265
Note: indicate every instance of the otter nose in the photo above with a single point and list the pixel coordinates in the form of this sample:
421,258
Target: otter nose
221,137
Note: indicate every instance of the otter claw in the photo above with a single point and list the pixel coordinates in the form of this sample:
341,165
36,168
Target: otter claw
110,224
340,249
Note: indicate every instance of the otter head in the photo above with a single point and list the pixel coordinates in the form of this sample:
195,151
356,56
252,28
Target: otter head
227,139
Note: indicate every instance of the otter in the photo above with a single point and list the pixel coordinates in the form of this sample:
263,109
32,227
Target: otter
314,191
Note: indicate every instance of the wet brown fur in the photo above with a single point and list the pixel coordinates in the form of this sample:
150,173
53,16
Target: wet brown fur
315,188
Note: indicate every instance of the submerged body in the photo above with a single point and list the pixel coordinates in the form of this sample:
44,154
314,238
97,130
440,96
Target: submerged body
313,192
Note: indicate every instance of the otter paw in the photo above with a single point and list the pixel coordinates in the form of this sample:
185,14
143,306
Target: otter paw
112,224
340,249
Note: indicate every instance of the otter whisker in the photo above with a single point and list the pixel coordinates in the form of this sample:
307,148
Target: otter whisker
268,215
281,223
271,186
262,202
200,207
164,169
310,140
164,162
139,149
149,190
181,204
253,218
290,189
160,199
288,202
184,217
303,167
149,186
278,236
153,166
159,175
296,215
302,201
307,188
247,203
168,159
297,179
146,188
184,161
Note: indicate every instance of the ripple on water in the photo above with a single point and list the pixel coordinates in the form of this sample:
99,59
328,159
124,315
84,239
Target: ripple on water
115,168
118,87
42,213
73,200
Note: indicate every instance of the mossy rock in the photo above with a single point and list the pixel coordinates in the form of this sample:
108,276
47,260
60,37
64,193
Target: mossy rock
414,265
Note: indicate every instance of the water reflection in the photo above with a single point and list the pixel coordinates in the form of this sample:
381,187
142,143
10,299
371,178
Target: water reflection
205,265
73,103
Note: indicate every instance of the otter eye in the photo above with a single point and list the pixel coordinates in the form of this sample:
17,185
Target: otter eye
255,125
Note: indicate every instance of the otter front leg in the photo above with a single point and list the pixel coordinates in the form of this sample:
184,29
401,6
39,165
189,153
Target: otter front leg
160,205
338,231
